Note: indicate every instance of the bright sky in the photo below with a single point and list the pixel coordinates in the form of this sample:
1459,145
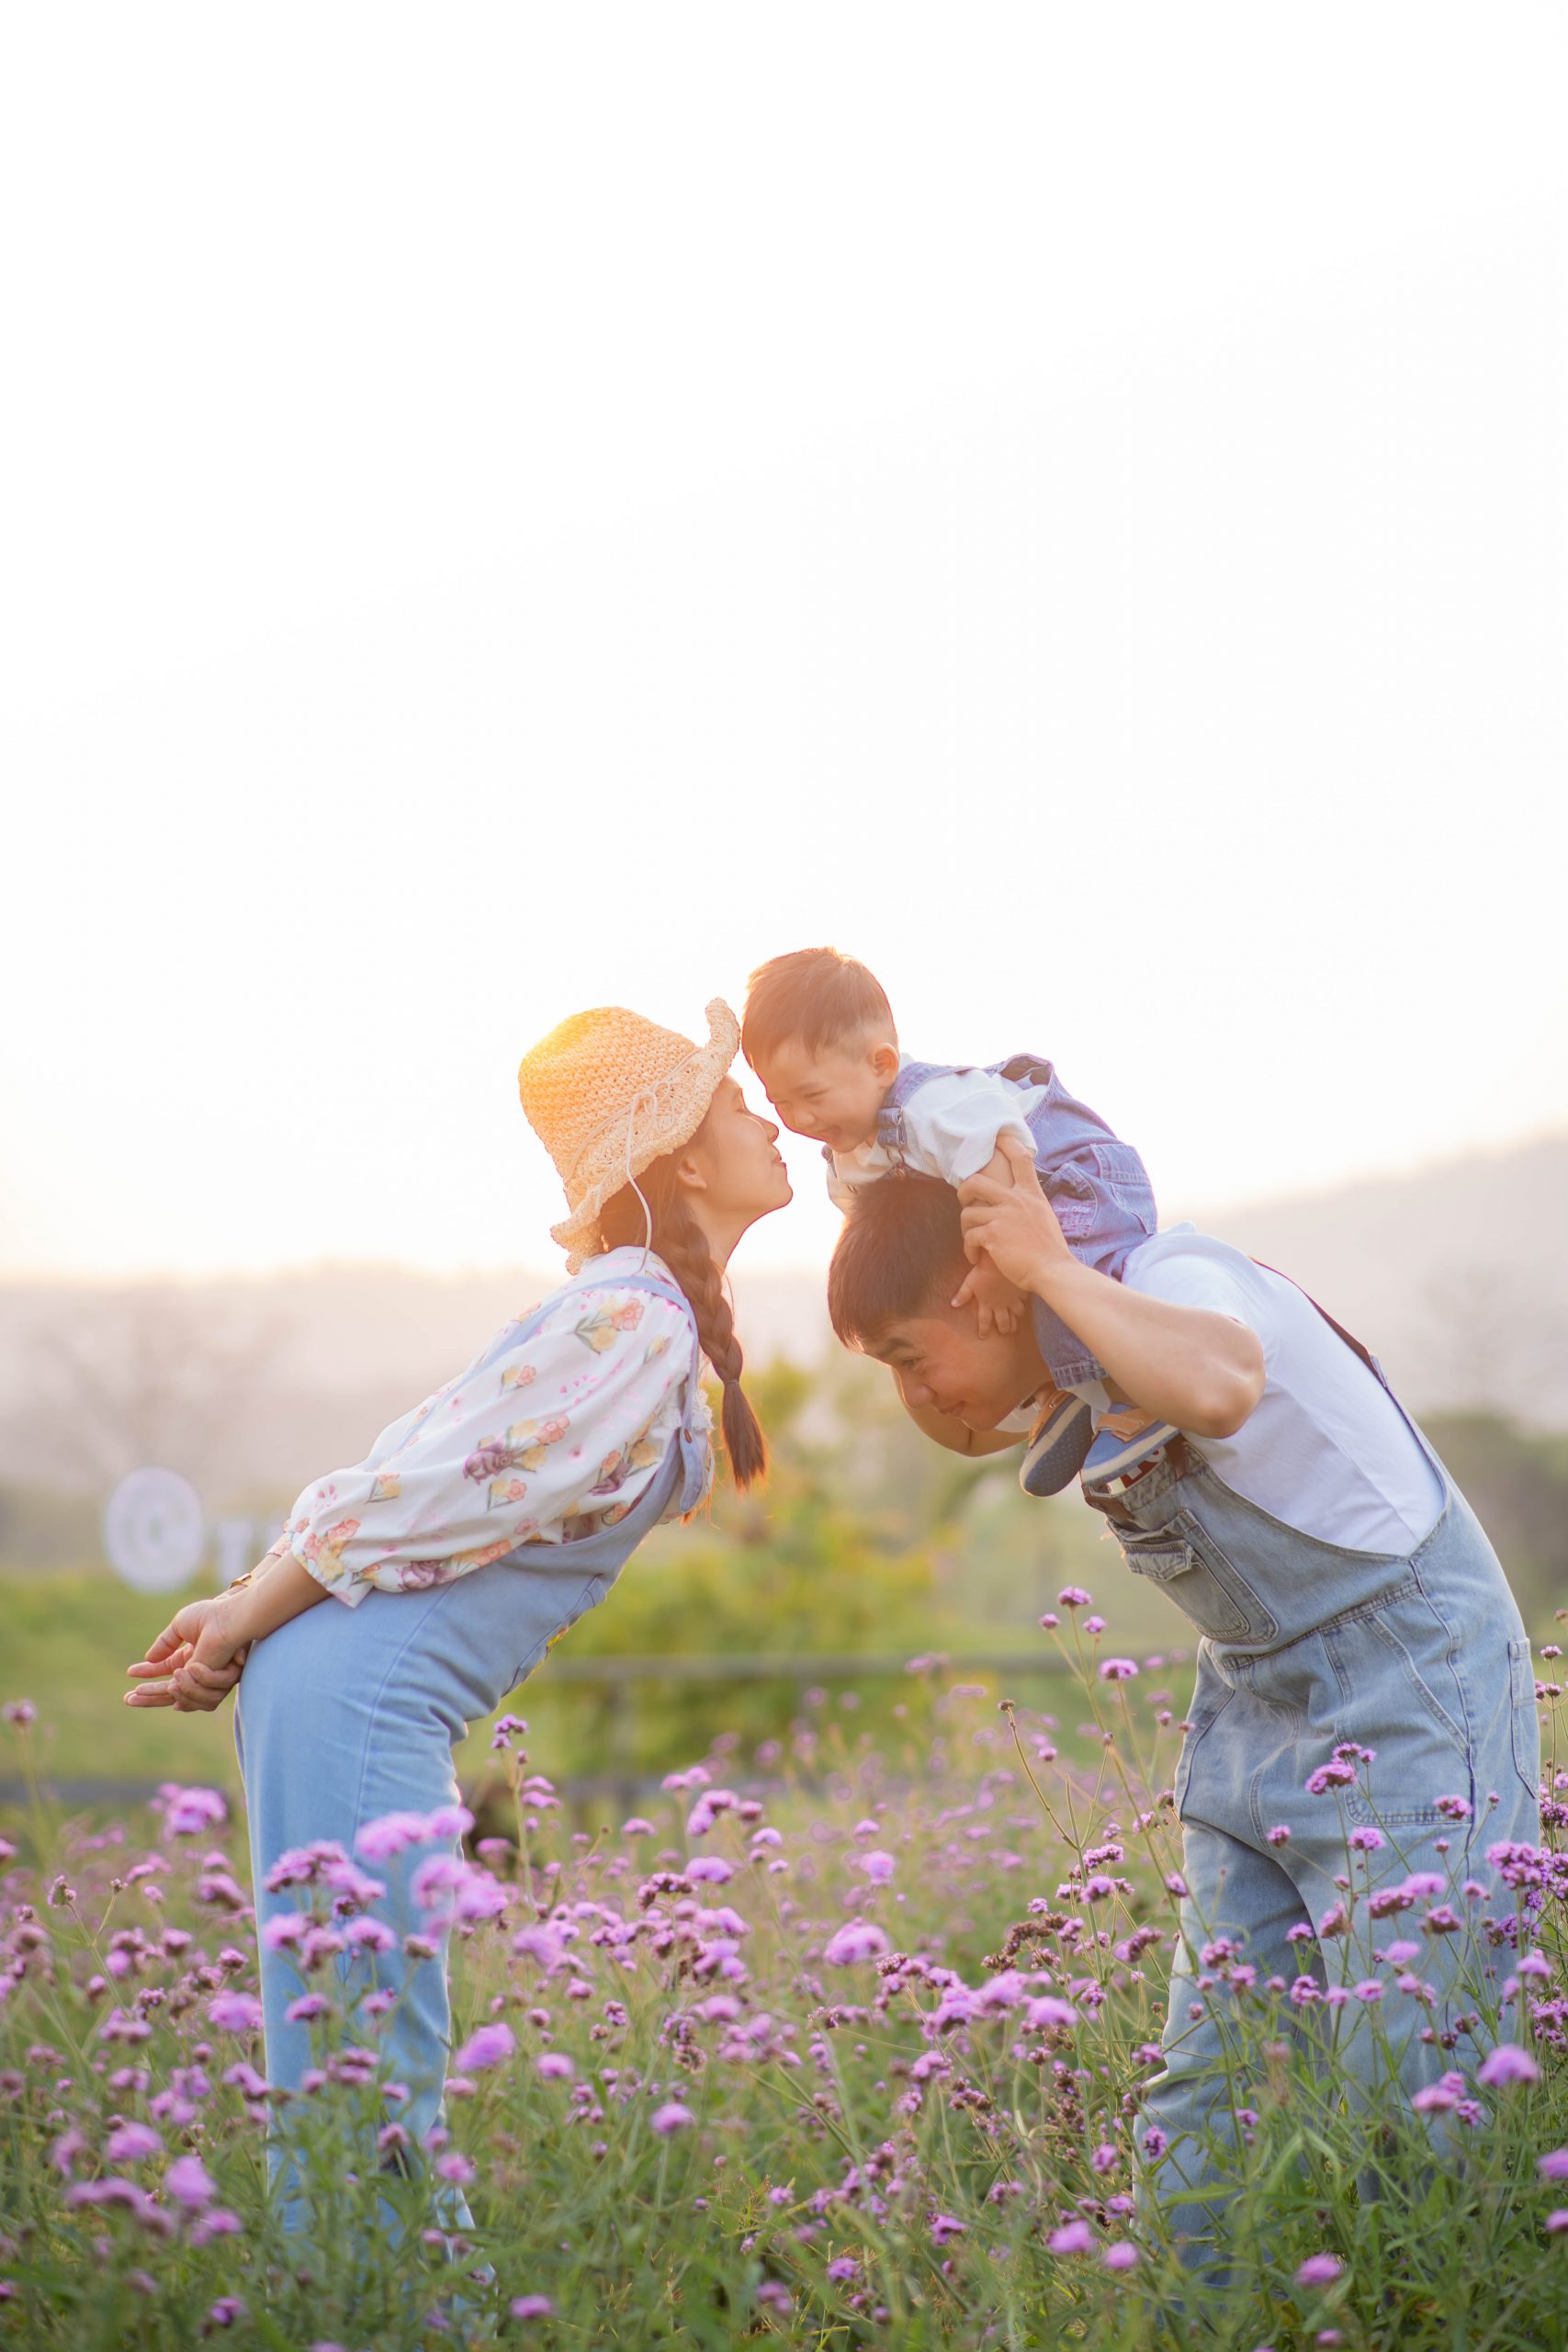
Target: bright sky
515,509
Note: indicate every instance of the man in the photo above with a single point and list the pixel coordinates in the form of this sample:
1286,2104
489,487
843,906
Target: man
1363,1663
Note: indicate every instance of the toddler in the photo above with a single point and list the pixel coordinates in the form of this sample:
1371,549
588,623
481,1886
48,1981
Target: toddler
819,1030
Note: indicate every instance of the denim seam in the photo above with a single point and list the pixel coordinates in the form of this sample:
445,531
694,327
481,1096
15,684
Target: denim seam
1452,1655
1198,1734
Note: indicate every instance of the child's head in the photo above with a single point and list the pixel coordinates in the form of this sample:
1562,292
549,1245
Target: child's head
818,1031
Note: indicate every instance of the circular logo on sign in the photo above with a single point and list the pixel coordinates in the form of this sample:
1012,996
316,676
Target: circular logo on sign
154,1530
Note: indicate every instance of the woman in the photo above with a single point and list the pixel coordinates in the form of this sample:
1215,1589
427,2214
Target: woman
485,1521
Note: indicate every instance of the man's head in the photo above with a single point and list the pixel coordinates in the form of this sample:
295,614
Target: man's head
894,1269
818,1031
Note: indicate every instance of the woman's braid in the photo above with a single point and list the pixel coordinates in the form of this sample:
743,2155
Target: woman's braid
683,1246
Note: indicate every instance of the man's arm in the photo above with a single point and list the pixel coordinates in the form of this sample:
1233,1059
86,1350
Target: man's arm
1202,1370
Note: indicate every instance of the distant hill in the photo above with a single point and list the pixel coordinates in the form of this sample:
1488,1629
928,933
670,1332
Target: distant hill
1456,1274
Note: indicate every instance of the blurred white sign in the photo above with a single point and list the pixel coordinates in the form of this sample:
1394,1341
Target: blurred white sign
155,1529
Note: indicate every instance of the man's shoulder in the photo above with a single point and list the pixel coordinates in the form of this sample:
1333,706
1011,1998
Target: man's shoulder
1180,1258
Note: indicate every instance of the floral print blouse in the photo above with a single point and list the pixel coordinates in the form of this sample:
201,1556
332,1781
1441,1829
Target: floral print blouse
554,1431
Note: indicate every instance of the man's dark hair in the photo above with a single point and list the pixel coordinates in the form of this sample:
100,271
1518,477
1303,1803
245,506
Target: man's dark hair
901,1251
814,998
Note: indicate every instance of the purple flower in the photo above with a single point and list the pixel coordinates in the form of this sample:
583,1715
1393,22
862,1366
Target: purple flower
530,2307
1319,2271
858,1940
709,1870
455,2166
875,1865
1121,2255
1047,2014
945,2227
1073,2237
235,2013
1556,2223
670,2117
1117,1669
554,2066
1365,1841
487,2046
129,2142
187,1812
21,1711
1336,1775
842,2266
188,2180
1551,2166
1507,2065
1073,1596
1281,1834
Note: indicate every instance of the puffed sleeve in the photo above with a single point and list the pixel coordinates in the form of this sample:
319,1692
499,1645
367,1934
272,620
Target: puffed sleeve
574,1417
953,1122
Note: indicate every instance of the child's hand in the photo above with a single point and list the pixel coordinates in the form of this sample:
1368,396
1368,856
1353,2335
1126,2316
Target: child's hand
996,1301
193,1663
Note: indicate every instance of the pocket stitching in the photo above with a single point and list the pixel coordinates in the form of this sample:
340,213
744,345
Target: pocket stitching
1220,1566
1522,1708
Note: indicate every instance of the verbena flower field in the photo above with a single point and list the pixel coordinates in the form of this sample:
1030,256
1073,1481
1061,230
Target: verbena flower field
847,2055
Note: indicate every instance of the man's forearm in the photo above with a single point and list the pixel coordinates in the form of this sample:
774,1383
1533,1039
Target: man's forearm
1184,1364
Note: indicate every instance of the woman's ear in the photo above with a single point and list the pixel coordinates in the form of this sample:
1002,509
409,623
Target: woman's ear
691,1173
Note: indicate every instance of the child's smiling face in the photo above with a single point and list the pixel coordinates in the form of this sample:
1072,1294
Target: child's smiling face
831,1093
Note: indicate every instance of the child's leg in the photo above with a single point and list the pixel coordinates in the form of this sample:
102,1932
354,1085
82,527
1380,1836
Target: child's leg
1105,1206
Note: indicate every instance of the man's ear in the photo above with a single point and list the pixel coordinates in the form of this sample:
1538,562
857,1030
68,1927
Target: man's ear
884,1060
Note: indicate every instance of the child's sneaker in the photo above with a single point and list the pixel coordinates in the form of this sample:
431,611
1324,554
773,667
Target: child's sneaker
1123,1440
1057,1445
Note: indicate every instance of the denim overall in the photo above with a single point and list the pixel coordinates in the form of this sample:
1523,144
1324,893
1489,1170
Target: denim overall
345,1714
1097,1184
1421,1656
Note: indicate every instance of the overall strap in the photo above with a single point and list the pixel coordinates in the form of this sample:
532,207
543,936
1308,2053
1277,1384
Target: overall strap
1355,1345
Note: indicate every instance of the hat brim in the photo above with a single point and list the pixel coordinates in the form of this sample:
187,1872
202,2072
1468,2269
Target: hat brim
696,1081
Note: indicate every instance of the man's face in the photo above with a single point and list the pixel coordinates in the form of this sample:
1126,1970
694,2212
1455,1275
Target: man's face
942,1365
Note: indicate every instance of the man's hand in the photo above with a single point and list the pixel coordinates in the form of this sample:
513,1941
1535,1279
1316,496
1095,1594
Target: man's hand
1014,1224
997,1304
195,1662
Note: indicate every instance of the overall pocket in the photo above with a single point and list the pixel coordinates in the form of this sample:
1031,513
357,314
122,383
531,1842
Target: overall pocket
1526,1725
592,1591
1399,1695
1203,1580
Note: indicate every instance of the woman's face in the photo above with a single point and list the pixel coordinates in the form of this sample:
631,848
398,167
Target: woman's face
742,1174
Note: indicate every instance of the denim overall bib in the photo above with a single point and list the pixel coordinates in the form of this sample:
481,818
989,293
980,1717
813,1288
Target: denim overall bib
343,1714
1421,1656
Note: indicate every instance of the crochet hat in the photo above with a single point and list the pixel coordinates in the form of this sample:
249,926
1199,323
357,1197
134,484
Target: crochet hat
606,1091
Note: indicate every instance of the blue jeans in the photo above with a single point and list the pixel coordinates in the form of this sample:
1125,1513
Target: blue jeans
345,1714
1421,1657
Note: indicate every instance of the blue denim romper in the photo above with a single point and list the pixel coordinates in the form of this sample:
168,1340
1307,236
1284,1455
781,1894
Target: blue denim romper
343,1714
1421,1656
1097,1184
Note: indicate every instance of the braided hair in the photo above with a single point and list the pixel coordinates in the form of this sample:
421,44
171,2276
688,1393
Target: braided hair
683,1246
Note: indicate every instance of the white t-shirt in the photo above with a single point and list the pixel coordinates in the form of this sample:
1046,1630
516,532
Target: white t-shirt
1326,1449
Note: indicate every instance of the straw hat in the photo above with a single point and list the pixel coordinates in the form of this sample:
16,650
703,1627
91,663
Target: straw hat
606,1091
